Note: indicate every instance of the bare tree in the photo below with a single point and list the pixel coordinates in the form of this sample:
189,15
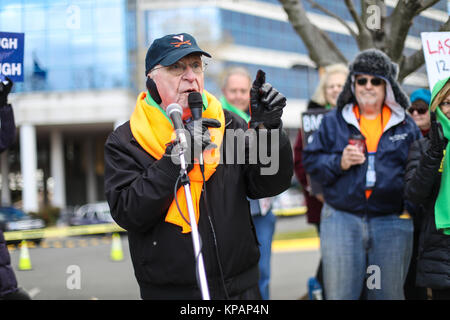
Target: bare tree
374,29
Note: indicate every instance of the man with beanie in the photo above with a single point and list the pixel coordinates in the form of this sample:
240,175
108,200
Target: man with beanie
146,197
8,281
420,99
428,186
359,156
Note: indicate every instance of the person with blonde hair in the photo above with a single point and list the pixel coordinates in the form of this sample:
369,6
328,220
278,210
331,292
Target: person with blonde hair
325,97
428,186
330,85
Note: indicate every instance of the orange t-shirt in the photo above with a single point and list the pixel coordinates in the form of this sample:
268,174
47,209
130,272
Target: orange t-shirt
372,129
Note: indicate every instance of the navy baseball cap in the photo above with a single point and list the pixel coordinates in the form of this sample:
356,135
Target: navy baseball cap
169,49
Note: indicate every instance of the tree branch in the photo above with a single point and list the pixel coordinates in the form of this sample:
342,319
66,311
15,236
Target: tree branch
417,59
364,38
399,23
355,16
331,14
445,26
426,4
410,64
319,48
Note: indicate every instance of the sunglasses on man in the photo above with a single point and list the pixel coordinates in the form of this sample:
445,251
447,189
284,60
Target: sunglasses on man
419,110
373,81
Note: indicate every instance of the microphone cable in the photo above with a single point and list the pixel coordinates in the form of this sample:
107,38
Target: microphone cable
222,278
199,236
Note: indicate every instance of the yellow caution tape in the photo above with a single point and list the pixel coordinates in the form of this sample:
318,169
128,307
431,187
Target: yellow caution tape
290,211
59,232
306,244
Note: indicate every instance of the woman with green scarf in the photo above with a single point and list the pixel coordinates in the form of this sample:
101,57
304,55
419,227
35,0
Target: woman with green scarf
428,186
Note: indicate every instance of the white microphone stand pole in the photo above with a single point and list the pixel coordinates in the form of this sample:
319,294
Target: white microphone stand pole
200,268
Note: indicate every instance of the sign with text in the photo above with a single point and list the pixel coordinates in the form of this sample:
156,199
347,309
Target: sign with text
311,120
436,50
11,55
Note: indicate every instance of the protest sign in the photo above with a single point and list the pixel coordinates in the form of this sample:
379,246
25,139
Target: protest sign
311,120
436,50
11,56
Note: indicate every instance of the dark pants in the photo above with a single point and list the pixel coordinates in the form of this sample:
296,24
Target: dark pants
412,292
250,294
443,294
8,282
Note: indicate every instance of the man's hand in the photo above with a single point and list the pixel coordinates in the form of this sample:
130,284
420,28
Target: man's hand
200,138
351,156
436,137
5,89
320,197
266,104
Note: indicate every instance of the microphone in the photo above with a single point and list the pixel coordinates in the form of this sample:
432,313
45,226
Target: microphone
174,111
195,102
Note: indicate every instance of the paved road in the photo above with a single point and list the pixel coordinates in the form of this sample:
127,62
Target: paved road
54,269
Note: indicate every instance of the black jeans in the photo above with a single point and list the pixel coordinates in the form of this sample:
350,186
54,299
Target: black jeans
443,294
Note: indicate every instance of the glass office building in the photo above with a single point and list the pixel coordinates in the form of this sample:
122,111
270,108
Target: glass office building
84,66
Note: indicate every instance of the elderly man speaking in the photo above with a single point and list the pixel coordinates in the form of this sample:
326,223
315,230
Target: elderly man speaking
359,154
141,180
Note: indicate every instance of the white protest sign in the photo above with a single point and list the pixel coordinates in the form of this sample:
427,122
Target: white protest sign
436,49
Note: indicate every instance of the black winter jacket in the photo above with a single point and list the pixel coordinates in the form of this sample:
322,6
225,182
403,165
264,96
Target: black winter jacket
139,190
423,180
8,282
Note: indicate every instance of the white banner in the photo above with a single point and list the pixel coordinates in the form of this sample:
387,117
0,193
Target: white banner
436,49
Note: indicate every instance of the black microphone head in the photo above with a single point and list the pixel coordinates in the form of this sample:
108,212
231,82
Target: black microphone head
174,107
195,102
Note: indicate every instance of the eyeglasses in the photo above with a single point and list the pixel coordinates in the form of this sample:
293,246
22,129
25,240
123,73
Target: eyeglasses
373,81
179,68
419,110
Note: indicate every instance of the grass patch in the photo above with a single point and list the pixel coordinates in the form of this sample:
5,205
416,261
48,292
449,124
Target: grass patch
309,233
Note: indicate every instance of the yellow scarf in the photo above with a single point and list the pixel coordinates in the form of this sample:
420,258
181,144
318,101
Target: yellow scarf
152,129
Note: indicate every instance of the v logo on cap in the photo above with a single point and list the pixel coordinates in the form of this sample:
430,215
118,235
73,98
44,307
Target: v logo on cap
181,38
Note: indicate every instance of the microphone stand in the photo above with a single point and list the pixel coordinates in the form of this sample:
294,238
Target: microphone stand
200,268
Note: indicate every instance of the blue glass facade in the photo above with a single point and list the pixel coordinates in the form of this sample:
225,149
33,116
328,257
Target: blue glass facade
70,45
86,44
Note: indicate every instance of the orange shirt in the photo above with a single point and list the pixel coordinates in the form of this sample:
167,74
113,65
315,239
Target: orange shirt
372,129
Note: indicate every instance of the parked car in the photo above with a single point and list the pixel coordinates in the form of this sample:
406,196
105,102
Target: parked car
13,219
92,213
290,202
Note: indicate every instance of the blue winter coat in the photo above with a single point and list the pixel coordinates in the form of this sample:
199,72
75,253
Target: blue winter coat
345,190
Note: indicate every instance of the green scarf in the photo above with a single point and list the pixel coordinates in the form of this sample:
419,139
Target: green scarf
227,106
442,205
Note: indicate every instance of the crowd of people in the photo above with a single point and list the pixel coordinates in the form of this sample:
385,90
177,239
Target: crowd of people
380,157
368,215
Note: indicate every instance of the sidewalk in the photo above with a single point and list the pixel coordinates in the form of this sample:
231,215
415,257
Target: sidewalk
294,259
